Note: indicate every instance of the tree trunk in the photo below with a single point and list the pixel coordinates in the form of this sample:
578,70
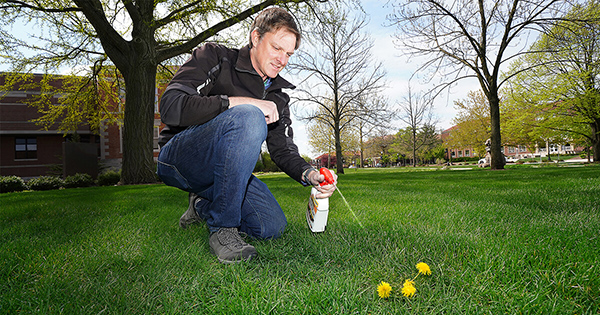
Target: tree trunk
138,159
596,139
362,147
497,158
339,161
414,146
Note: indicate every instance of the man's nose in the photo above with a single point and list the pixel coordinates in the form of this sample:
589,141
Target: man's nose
283,58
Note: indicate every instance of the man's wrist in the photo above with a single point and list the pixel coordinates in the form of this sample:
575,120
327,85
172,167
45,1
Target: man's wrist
224,103
305,175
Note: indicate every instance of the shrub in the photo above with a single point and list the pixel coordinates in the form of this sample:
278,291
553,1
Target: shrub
109,178
548,164
12,183
269,165
79,180
465,159
46,183
259,166
265,164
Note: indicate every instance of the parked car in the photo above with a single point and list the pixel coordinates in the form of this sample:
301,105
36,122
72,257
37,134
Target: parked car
482,161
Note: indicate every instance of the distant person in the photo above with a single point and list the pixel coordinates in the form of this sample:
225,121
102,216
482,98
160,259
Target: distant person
219,108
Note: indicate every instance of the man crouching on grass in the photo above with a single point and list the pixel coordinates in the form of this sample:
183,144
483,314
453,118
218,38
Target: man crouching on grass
219,108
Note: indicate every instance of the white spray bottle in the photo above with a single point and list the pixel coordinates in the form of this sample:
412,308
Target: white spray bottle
318,208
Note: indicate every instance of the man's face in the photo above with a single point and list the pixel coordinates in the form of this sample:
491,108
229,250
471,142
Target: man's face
270,54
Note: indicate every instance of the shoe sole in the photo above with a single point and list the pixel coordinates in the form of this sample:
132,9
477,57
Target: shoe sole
186,220
237,261
229,262
183,223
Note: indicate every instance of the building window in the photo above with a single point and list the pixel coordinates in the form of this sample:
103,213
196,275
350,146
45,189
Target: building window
155,138
511,149
459,153
156,134
25,148
467,153
156,100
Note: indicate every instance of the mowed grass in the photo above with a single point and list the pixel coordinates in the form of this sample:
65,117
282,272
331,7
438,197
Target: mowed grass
514,241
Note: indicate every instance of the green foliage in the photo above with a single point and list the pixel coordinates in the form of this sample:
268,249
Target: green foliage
435,154
11,184
556,97
259,167
46,183
420,143
466,159
473,124
268,164
109,178
265,164
72,100
386,159
79,180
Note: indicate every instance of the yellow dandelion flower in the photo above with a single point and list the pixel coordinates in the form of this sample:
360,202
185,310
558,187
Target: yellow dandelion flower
423,268
384,290
408,289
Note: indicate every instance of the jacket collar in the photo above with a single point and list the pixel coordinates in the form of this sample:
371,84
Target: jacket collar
244,64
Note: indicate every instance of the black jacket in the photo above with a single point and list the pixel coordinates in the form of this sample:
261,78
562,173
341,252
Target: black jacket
200,89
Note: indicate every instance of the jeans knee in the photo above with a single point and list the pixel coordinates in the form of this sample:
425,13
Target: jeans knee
274,231
251,120
264,227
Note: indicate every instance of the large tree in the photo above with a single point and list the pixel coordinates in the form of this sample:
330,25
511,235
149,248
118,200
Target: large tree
322,136
416,144
343,81
472,39
557,93
136,36
416,111
379,144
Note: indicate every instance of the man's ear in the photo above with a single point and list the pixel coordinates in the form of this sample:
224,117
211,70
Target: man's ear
255,36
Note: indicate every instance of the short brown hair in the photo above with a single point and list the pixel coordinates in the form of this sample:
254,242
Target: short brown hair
273,19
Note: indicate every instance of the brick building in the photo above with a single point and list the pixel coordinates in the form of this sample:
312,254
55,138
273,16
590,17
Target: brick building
510,151
26,150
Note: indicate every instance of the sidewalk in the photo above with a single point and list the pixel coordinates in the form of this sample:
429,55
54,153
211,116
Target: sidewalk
578,160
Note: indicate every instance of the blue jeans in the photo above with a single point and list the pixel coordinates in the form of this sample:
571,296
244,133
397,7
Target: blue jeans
215,160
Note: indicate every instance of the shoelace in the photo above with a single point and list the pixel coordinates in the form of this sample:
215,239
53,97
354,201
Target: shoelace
230,237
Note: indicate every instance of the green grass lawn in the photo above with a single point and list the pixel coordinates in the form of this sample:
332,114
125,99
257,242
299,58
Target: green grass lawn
523,240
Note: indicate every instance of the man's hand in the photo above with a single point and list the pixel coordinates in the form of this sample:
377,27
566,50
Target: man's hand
314,178
268,108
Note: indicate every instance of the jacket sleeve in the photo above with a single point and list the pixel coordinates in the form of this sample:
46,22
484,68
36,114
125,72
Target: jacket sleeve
186,100
283,150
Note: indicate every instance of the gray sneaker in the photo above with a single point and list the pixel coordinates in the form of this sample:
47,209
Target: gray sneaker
190,216
229,247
